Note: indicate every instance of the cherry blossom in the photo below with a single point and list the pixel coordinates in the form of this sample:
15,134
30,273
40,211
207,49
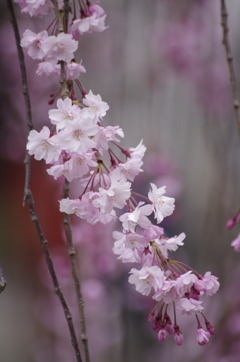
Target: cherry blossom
189,306
34,43
208,284
236,243
66,112
162,206
42,146
202,336
96,108
146,279
60,47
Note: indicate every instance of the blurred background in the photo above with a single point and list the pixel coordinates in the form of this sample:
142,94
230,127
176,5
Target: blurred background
162,69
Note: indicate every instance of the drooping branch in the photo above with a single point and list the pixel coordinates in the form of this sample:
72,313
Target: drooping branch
28,194
63,26
3,282
75,274
229,56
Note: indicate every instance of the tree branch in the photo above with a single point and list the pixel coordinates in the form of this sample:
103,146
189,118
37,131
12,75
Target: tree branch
62,23
3,282
75,274
226,43
28,194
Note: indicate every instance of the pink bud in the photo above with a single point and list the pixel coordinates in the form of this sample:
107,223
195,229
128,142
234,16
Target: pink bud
162,335
209,327
230,224
178,336
202,336
169,326
156,326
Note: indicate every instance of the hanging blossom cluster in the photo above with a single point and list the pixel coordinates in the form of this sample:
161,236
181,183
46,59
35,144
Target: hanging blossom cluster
79,146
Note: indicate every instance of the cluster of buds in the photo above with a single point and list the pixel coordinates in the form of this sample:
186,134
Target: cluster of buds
79,146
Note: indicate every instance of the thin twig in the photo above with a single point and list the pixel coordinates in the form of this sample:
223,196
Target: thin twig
3,282
68,231
25,93
75,274
226,43
28,194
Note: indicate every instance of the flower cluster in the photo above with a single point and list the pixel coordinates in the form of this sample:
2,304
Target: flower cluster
79,146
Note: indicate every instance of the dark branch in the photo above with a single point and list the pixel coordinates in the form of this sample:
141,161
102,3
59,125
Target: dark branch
28,194
226,43
75,274
3,282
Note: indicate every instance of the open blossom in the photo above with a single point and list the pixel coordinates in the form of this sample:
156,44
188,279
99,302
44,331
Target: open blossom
35,7
60,47
138,217
236,243
42,146
171,244
115,194
208,284
107,134
189,306
72,69
96,108
76,167
89,24
75,138
202,336
65,112
34,43
127,255
162,206
146,279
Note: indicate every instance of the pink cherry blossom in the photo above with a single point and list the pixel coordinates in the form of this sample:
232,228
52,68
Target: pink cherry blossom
162,206
189,306
42,146
202,336
105,135
127,255
96,108
89,24
60,47
138,217
35,7
75,138
146,279
236,243
65,113
116,194
208,284
34,43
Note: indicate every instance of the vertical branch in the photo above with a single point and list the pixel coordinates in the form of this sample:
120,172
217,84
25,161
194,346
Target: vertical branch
3,282
62,23
226,43
28,194
75,274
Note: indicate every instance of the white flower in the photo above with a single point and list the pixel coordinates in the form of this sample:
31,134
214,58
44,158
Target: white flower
42,146
96,108
65,113
138,217
202,336
146,279
162,206
60,47
189,306
34,43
